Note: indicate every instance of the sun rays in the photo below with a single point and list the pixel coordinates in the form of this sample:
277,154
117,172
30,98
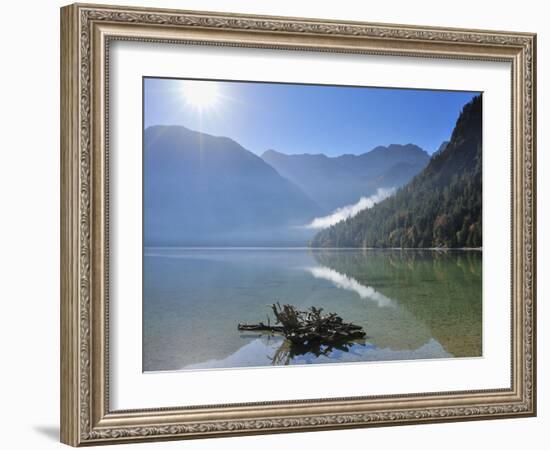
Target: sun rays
201,95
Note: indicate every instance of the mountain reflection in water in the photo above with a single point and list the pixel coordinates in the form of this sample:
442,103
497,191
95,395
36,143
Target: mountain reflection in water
413,304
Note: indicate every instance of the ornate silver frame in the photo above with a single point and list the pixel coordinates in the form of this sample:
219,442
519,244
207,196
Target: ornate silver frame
86,31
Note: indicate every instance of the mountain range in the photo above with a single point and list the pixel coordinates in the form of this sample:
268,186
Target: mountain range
343,180
204,190
440,207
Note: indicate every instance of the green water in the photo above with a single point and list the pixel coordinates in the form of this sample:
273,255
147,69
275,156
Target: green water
413,304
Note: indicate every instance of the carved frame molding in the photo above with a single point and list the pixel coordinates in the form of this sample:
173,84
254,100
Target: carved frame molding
86,32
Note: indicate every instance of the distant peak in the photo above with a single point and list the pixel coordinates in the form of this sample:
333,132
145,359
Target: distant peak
271,152
183,129
411,148
275,153
165,126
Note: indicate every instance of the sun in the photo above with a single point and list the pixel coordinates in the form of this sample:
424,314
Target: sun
201,94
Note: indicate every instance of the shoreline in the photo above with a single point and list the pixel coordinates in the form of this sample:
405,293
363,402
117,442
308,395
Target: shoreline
439,249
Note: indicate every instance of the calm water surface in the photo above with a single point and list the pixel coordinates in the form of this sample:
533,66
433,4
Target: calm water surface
413,304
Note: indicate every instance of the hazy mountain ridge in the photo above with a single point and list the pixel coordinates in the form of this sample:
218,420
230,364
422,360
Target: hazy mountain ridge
440,207
337,181
201,190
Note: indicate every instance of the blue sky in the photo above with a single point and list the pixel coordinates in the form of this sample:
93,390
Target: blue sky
294,118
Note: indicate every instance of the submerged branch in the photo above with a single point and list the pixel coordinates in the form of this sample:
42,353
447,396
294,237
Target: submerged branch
260,327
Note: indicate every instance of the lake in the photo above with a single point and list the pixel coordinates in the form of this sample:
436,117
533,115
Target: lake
413,304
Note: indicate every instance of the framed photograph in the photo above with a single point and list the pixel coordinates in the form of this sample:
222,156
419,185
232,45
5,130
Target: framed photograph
275,224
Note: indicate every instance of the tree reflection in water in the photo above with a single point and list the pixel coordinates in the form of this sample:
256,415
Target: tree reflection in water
289,350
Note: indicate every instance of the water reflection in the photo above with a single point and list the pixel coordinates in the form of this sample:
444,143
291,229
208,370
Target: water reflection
441,289
351,284
275,352
288,352
412,304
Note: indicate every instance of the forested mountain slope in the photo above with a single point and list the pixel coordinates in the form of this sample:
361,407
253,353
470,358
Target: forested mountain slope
440,207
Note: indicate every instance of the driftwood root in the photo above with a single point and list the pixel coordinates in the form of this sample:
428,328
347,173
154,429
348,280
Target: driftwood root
308,327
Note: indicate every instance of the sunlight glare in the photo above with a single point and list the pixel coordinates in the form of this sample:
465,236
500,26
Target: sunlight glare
200,94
